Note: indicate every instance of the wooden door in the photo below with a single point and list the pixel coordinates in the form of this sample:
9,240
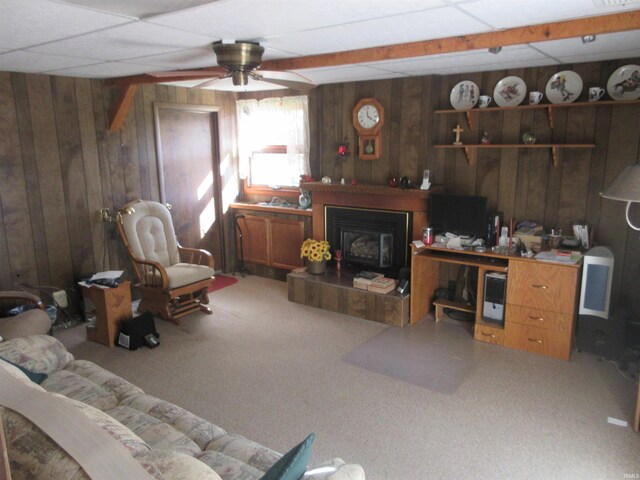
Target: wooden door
189,175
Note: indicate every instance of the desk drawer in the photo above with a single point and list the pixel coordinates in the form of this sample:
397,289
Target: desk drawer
488,334
542,286
533,317
538,340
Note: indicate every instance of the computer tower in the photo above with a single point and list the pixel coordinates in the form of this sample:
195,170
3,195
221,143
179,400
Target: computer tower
495,292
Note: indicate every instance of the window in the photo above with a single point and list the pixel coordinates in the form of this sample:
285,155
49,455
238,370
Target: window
273,140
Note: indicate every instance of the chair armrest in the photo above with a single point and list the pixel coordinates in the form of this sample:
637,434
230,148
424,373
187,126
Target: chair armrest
151,274
196,256
16,298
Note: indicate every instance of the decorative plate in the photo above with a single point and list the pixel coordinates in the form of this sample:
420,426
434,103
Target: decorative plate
464,95
510,91
624,83
564,87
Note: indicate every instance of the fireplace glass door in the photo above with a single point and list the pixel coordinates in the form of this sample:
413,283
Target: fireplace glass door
368,248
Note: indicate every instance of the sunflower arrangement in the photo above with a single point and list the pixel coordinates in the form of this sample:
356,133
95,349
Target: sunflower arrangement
315,250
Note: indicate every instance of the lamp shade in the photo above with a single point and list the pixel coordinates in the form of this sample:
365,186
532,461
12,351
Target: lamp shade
626,187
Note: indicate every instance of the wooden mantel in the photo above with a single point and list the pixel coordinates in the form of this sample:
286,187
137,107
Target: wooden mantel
370,196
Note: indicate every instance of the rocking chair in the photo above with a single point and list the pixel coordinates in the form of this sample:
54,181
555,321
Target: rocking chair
173,281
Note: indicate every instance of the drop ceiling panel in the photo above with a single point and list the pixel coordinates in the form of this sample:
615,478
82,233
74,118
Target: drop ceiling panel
612,44
436,23
346,74
601,56
29,62
423,65
138,8
510,13
255,20
25,23
128,41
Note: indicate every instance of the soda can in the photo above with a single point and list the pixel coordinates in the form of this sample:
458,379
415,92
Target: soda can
427,236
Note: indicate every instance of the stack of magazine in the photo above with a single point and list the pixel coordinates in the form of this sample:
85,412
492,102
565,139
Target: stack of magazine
374,282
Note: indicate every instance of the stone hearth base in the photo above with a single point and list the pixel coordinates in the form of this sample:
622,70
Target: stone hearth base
337,294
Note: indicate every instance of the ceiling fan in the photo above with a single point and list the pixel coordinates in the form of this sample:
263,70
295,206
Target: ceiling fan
240,60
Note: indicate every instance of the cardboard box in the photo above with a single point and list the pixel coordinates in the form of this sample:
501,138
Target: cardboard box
529,241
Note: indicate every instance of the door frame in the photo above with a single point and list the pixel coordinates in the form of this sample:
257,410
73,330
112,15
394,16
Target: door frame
215,140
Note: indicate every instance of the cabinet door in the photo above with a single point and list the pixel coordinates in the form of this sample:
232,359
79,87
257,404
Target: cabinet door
286,238
255,239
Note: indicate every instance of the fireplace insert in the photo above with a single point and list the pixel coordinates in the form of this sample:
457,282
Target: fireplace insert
370,239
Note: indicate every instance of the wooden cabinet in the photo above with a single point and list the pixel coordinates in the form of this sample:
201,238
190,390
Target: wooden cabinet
541,307
272,241
110,306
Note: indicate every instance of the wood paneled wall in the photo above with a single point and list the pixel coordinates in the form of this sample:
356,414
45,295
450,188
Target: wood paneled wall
59,165
522,184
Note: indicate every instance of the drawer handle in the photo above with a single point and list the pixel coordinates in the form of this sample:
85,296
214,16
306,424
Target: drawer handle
544,287
537,318
535,340
487,335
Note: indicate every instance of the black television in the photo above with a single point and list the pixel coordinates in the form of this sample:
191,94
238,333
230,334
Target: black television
463,215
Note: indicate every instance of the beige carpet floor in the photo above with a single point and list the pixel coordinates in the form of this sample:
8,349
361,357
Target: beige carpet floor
274,371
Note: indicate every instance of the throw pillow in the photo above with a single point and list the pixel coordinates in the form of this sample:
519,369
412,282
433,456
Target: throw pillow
293,464
33,376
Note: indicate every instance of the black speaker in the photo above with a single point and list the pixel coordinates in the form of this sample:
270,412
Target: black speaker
603,336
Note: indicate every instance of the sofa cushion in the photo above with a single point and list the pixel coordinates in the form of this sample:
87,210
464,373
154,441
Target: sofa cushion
293,464
229,468
153,431
197,429
174,465
106,380
31,322
79,388
244,450
38,353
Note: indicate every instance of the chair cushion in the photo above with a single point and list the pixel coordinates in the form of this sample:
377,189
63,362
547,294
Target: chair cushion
149,231
31,322
186,273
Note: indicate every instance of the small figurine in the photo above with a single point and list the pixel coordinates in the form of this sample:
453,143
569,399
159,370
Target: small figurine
485,140
354,181
338,256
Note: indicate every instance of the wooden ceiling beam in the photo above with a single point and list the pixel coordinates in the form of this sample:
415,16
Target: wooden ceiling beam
120,107
619,22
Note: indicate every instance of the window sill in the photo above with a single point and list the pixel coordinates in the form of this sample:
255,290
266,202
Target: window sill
286,192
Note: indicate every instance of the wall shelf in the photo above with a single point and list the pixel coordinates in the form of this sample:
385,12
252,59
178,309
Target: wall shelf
472,115
471,150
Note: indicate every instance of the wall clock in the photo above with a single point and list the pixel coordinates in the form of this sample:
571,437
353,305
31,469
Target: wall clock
368,118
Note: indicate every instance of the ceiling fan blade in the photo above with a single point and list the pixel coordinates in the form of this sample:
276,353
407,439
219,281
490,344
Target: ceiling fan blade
209,82
291,80
186,74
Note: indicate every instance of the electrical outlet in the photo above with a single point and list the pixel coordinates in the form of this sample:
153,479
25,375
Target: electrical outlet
60,299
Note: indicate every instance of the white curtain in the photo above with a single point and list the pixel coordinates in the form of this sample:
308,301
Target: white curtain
274,121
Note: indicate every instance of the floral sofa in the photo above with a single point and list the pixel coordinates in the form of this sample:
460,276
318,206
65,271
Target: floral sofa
170,442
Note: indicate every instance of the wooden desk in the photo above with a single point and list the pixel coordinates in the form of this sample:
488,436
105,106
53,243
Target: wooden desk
541,302
111,306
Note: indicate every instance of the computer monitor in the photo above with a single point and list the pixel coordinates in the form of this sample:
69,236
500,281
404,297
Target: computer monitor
463,215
